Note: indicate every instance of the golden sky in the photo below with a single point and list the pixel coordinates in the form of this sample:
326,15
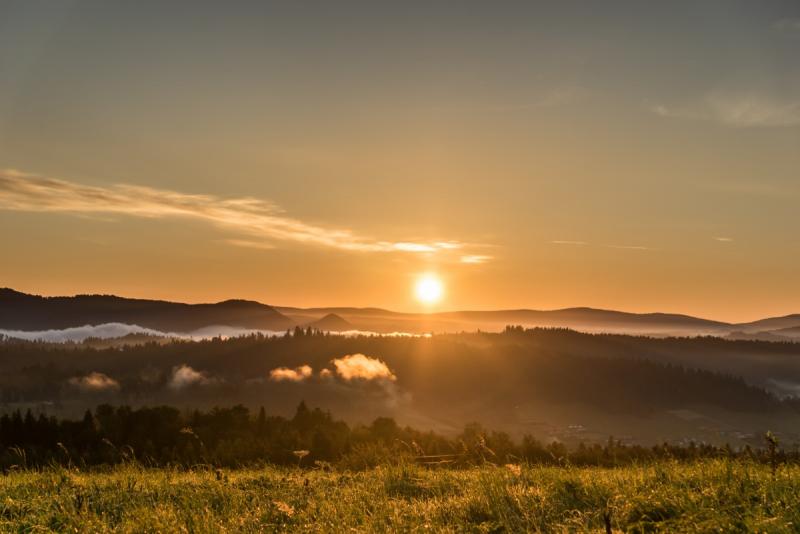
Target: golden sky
634,157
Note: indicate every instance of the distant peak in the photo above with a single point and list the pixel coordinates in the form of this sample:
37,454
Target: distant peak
332,323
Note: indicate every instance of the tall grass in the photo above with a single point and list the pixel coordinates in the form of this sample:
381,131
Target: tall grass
720,495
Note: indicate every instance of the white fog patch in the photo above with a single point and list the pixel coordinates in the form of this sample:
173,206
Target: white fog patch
225,332
284,374
94,382
184,376
359,366
358,371
784,388
357,333
80,333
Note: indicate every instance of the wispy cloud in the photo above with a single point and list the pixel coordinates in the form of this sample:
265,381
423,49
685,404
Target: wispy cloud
260,223
674,112
475,258
249,243
737,109
584,243
563,242
787,25
724,239
749,110
629,247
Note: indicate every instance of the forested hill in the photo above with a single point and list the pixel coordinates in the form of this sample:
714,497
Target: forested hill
20,311
549,378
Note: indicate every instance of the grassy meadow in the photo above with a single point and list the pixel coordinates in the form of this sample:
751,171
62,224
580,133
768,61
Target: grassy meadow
718,495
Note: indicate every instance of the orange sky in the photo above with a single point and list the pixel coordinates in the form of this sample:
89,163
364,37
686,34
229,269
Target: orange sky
536,156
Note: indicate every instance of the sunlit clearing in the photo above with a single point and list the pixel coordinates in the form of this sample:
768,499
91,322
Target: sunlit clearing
429,289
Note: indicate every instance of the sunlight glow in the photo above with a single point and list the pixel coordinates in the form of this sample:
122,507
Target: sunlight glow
429,289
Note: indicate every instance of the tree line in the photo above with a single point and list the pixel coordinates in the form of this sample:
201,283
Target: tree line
231,437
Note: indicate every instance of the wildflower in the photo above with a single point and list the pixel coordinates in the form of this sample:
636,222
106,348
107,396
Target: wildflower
300,455
284,508
514,468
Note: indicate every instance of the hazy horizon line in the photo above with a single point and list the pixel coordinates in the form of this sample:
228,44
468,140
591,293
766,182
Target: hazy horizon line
421,312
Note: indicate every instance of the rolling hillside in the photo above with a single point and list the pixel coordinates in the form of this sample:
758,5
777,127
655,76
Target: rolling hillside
19,311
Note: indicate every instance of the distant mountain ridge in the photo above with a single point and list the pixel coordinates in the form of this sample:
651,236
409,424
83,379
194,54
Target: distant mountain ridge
578,318
787,322
588,319
21,311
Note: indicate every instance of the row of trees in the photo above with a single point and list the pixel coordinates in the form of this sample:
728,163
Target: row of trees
620,374
312,437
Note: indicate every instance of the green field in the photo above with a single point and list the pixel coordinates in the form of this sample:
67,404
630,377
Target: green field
707,496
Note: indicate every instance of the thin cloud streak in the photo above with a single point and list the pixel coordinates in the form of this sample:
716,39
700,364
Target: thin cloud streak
563,242
246,243
788,25
262,222
753,110
584,243
738,110
475,259
628,247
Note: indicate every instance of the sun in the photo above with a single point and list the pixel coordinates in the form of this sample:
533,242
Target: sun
429,289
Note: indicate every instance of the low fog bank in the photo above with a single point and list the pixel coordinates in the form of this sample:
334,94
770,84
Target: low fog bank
117,331
81,333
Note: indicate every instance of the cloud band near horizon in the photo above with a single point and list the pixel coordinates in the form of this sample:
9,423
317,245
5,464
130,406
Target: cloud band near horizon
261,221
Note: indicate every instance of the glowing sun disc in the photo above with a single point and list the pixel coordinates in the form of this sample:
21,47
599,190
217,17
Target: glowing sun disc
429,289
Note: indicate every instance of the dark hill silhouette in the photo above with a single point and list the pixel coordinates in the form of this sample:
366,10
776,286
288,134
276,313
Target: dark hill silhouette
20,311
331,323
